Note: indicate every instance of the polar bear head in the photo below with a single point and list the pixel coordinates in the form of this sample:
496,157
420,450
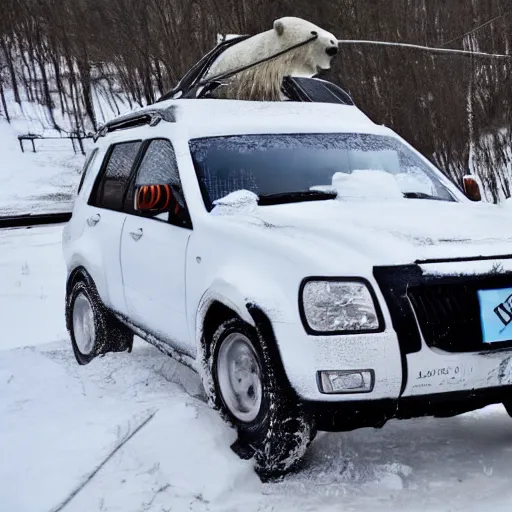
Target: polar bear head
279,52
317,55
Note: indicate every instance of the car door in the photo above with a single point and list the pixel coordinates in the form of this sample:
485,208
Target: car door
153,253
105,218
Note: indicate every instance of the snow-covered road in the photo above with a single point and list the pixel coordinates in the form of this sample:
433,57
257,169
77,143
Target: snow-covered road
59,422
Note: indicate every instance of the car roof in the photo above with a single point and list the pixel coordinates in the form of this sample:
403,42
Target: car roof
214,117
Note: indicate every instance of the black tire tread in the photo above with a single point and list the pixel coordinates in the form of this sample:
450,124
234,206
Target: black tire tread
111,334
278,439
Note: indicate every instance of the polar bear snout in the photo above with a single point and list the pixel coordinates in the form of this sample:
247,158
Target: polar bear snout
332,51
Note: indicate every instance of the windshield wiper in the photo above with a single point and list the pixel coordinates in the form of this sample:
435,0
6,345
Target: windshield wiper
296,197
422,195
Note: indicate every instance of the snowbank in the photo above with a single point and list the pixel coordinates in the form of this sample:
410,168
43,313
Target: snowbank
45,181
32,277
40,182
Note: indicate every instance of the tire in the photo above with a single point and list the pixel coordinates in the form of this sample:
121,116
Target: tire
101,332
508,408
273,428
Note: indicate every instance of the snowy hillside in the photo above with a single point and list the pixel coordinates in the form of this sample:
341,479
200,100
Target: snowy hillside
39,182
45,181
61,422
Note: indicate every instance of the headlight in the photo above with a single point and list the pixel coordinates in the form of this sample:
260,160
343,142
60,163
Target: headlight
337,306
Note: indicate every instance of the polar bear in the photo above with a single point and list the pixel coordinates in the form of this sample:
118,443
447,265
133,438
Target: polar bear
263,81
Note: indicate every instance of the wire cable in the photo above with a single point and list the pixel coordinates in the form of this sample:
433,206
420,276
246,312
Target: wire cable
428,48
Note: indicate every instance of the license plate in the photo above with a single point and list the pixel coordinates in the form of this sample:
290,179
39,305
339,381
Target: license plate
496,315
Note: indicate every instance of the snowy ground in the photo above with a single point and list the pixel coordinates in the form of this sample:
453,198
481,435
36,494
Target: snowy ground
41,182
59,422
45,181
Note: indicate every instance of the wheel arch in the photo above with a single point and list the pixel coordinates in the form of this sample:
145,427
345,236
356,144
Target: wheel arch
265,330
217,312
77,275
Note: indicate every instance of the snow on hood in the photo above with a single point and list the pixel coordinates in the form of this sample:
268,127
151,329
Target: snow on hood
238,201
392,231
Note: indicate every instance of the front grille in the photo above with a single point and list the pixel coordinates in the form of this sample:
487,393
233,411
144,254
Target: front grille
448,315
393,283
445,308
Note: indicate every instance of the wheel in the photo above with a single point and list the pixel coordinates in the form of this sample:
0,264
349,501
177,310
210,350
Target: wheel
271,423
93,329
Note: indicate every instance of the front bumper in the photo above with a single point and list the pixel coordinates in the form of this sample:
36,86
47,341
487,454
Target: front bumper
430,371
421,374
303,356
343,417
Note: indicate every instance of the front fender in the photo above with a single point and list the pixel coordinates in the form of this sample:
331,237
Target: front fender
239,288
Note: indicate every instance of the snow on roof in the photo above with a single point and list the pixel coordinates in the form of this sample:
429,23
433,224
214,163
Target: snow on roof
212,115
190,110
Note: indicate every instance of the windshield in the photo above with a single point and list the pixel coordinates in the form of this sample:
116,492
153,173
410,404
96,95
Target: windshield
351,164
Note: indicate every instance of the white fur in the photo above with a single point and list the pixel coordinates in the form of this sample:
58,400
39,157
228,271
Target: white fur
263,81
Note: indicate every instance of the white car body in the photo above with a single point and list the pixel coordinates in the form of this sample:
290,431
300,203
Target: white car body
165,282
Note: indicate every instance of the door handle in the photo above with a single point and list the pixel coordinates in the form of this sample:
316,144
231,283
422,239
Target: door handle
92,221
136,235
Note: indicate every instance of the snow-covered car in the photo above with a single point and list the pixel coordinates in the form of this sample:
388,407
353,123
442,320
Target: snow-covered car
315,269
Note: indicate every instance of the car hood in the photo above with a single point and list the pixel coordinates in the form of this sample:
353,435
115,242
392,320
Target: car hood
391,231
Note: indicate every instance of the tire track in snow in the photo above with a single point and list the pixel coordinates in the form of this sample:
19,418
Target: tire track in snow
111,454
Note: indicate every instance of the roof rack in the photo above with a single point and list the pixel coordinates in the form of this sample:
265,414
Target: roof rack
141,118
295,89
192,78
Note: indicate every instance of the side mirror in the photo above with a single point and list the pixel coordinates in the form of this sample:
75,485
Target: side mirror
472,189
153,199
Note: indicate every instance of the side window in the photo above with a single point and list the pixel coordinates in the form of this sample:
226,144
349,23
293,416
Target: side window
88,164
109,192
159,167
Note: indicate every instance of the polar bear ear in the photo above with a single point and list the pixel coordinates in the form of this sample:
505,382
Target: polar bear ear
279,27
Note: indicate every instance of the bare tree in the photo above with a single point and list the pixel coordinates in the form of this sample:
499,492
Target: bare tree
454,109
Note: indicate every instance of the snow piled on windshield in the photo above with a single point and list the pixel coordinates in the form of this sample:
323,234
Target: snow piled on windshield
415,181
379,184
366,183
359,184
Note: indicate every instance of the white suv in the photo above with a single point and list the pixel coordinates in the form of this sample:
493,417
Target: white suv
316,270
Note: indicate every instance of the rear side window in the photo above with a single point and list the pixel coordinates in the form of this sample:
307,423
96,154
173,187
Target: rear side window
88,164
159,166
109,192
